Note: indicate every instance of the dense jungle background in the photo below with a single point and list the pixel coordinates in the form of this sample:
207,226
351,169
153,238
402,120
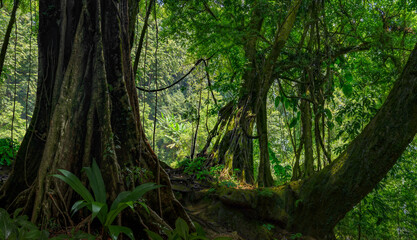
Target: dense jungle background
251,95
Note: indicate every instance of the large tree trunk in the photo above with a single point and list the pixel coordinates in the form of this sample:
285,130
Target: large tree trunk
329,195
251,107
315,205
86,108
234,147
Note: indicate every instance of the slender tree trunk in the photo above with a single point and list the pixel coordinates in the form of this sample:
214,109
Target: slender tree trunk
264,173
86,108
6,40
306,123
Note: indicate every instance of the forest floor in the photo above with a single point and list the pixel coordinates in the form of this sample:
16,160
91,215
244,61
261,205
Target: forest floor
189,192
204,207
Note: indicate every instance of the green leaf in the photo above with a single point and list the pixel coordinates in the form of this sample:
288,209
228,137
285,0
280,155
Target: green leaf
114,213
293,122
75,184
78,205
16,212
328,113
198,238
277,102
199,229
137,193
339,120
116,230
96,182
119,199
347,90
6,226
349,77
330,124
153,236
96,207
182,227
35,234
144,206
272,157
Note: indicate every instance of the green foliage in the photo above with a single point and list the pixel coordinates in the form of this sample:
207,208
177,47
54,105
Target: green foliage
228,183
389,211
22,73
353,84
137,174
282,172
296,236
19,227
266,192
268,226
97,205
74,235
195,167
215,171
182,232
8,151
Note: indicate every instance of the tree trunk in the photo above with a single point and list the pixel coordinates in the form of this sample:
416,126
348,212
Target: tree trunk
264,173
234,147
6,40
86,108
315,205
306,123
330,194
257,80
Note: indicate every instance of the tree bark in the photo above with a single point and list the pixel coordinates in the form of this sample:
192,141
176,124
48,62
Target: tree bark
306,123
256,82
264,173
86,108
315,205
329,195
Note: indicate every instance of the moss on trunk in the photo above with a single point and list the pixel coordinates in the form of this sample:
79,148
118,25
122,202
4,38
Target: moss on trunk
86,109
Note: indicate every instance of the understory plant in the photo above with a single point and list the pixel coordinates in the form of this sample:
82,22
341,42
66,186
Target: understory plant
195,167
8,150
182,232
19,227
97,205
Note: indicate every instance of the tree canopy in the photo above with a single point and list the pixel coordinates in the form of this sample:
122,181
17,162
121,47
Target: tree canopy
296,118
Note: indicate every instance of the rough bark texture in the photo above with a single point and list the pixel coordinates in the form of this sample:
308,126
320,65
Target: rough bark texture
256,82
330,194
306,123
315,205
86,108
